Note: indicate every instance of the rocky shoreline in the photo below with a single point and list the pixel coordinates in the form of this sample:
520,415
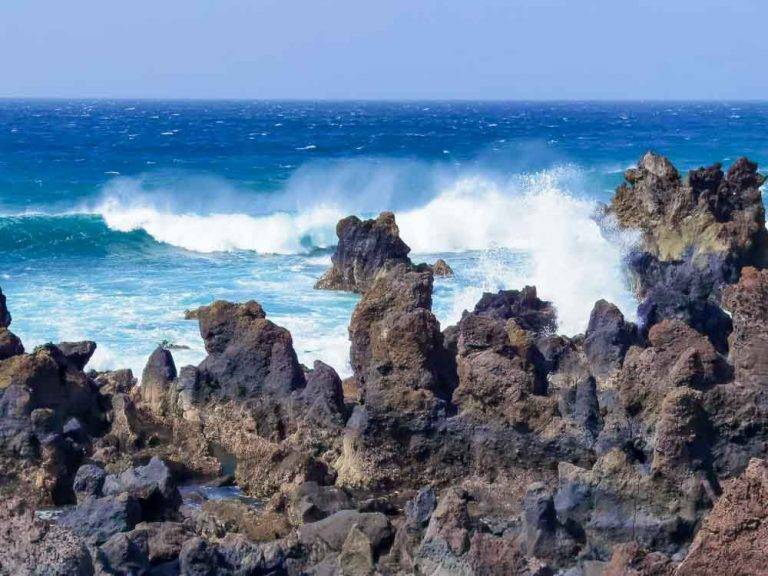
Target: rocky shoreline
495,446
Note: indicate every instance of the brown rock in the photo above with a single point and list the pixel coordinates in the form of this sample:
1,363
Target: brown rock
732,540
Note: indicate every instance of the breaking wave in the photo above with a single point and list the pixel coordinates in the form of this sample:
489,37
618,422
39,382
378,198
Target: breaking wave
547,216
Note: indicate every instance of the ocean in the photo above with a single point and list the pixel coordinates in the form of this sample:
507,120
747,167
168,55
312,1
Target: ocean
117,216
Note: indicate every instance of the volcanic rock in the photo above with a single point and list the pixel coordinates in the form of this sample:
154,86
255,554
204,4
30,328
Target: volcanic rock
32,546
156,378
364,247
248,355
697,233
10,344
732,540
78,353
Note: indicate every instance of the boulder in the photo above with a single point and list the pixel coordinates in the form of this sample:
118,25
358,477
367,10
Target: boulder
152,485
98,519
248,355
364,247
125,554
530,313
329,534
441,269
89,481
356,558
396,354
10,344
156,379
78,353
310,502
324,397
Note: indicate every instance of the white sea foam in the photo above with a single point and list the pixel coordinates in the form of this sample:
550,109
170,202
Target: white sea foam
545,215
279,233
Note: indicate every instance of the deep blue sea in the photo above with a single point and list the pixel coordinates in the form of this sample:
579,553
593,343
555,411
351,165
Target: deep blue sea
116,216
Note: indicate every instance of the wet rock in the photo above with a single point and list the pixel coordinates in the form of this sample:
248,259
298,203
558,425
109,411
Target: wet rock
156,379
31,546
364,247
696,235
5,315
78,353
441,268
607,339
732,539
89,481
685,291
98,519
10,344
151,485
248,355
524,306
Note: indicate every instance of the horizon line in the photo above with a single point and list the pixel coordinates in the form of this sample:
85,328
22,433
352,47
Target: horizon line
389,100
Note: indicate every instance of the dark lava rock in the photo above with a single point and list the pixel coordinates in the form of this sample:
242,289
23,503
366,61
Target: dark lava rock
98,519
248,355
10,344
151,485
89,481
78,353
608,338
324,396
364,247
156,379
5,315
524,306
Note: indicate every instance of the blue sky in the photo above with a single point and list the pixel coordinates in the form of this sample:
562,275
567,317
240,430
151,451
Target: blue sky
385,49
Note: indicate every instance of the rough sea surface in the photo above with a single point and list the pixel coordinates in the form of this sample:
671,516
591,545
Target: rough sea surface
115,217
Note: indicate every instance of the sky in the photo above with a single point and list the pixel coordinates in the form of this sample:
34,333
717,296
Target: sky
385,49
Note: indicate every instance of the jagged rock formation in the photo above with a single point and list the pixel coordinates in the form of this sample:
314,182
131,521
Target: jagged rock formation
364,247
697,233
495,446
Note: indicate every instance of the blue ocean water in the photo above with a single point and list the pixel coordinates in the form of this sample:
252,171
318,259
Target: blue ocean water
116,216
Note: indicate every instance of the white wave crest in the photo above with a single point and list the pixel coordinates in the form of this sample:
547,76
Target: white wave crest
546,215
571,262
279,233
